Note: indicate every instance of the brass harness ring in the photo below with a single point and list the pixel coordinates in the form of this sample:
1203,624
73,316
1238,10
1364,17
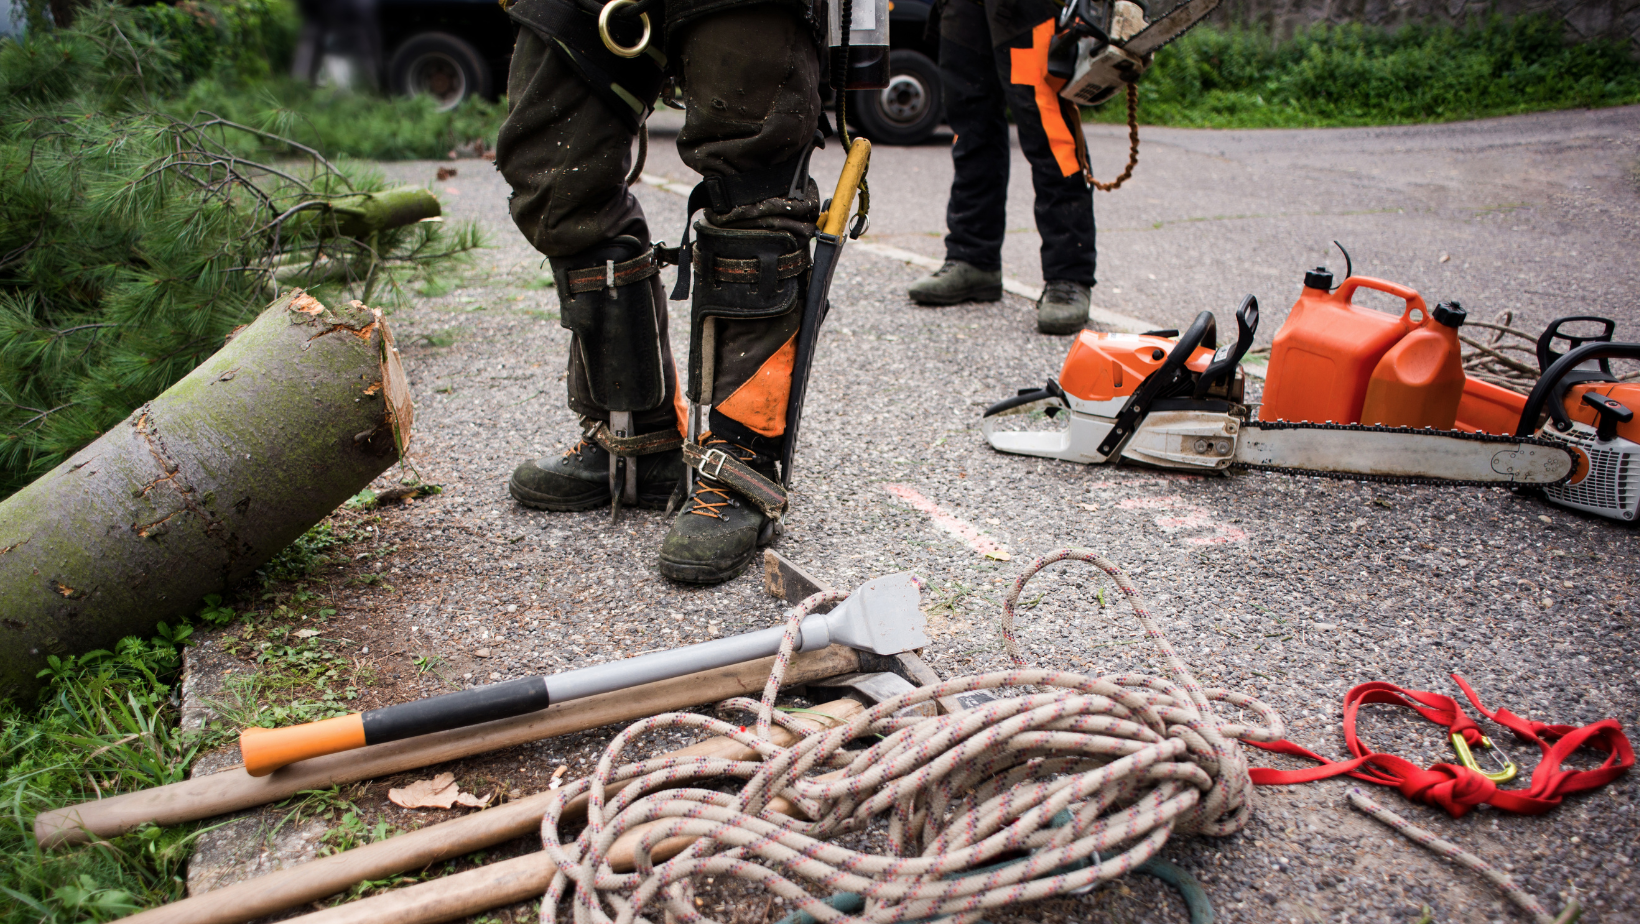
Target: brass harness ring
610,43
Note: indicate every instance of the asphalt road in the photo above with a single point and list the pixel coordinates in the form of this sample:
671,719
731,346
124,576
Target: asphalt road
1290,589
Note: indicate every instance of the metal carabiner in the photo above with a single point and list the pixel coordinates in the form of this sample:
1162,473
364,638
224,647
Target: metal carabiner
1467,758
609,42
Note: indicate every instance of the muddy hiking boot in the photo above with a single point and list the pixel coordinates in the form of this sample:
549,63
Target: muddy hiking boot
579,479
717,533
957,282
1063,307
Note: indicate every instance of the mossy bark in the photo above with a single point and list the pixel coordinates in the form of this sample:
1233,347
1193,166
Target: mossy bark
364,214
200,486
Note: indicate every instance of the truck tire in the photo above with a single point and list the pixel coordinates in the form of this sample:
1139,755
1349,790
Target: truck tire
439,65
911,107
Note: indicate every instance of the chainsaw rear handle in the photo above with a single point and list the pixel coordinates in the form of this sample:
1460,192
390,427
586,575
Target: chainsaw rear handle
1160,383
1346,292
1229,356
1548,394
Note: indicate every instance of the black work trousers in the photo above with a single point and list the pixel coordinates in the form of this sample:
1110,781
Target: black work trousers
751,78
980,87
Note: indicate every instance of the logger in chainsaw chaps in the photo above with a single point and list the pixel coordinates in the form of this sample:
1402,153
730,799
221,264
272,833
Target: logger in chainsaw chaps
584,78
993,59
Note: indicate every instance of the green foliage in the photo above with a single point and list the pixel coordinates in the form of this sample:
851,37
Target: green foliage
132,242
344,123
106,723
1362,75
238,40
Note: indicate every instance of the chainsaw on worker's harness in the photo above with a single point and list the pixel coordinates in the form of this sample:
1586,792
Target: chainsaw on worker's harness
1101,45
1176,401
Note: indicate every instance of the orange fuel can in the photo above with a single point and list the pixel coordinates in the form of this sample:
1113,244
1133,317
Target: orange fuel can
1420,381
1324,355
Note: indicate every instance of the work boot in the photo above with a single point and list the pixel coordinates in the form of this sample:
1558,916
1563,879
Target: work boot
955,282
579,479
716,534
1063,307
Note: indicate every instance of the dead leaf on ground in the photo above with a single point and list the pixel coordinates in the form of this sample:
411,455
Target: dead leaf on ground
439,792
444,173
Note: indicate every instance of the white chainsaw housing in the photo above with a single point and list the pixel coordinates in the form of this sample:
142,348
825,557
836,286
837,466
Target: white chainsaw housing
1608,481
1099,74
1168,439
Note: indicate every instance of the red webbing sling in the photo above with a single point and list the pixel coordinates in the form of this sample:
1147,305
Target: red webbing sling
1455,787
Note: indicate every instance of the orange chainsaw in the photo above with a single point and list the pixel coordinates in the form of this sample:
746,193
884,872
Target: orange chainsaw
1177,401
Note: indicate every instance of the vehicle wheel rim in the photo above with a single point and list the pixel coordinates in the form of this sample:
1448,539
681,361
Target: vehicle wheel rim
438,76
905,99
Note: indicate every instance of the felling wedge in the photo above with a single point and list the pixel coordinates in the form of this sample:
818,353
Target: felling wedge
882,617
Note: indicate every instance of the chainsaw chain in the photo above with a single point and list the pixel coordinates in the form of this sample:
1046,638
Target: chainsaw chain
1177,35
1403,479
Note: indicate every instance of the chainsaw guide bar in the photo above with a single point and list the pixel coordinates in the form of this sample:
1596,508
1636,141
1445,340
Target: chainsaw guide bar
1284,425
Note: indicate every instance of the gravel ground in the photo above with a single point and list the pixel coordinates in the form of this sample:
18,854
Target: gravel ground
1291,589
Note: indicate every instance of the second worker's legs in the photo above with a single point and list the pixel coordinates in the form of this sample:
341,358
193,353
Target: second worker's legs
976,212
751,88
1064,200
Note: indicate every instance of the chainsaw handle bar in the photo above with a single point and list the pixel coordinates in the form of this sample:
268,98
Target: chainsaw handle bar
1545,394
1172,370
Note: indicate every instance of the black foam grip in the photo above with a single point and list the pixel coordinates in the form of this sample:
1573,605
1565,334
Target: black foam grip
455,710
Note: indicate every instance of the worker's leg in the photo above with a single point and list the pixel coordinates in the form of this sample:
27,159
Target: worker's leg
976,212
1047,126
751,90
566,152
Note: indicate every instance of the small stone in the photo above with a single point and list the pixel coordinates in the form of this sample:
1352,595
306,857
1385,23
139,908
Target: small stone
1544,518
495,676
1325,625
482,653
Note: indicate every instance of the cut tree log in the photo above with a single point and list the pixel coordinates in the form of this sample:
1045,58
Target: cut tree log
199,487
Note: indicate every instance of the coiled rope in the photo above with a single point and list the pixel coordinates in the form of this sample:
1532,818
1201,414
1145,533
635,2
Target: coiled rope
1088,777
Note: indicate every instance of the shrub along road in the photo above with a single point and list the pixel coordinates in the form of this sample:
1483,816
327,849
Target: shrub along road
1288,588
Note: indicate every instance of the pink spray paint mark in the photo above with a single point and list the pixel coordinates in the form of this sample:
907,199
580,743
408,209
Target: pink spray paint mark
956,526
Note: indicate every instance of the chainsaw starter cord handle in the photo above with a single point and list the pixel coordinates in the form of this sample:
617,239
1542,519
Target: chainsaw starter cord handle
1547,395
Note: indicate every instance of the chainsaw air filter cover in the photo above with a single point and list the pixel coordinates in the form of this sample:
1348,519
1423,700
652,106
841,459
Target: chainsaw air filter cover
1607,481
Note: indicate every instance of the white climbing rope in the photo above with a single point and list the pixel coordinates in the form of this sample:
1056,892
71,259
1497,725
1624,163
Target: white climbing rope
1090,775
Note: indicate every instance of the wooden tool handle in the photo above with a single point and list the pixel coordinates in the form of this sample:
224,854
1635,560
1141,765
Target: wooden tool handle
267,749
835,219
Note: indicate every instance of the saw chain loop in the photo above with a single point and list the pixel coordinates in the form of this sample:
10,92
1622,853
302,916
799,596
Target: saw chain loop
1088,777
1133,145
1396,479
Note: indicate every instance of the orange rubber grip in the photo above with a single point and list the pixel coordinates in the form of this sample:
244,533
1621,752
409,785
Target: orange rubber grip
267,749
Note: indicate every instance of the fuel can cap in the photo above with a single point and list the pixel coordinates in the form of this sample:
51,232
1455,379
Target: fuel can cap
1319,278
1450,313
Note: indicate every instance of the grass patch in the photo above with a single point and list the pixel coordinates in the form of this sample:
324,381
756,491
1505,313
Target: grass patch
1362,75
344,124
107,723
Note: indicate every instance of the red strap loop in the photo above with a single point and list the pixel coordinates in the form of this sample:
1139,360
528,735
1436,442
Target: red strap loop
1454,787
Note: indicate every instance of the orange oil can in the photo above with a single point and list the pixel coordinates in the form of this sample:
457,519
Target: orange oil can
1324,355
1420,381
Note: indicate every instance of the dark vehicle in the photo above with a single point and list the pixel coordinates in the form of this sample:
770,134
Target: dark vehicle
912,106
453,49
446,49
